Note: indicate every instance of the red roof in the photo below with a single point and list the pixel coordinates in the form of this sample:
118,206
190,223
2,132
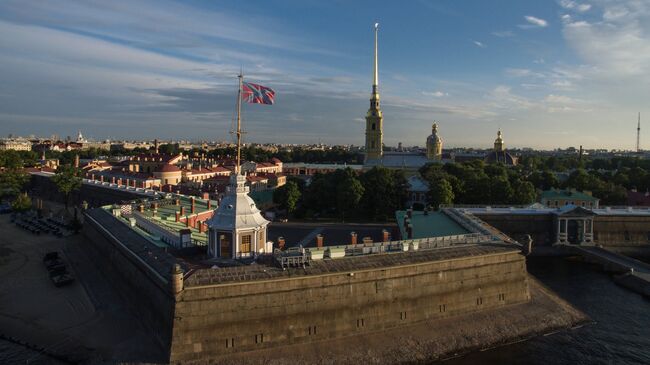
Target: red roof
169,168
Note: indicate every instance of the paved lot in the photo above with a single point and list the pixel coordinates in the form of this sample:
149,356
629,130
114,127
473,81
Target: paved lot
85,320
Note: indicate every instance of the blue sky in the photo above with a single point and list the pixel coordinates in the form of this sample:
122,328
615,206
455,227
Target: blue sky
548,73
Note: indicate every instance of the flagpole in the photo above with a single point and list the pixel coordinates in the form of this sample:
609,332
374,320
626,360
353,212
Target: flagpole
237,167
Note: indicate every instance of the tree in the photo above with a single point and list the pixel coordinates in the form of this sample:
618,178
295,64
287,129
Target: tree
500,190
12,182
385,191
67,180
440,192
21,203
348,195
287,196
523,192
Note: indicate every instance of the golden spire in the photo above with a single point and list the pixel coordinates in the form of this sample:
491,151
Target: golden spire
375,80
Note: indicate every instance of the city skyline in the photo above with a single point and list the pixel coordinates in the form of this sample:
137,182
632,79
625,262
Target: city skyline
549,75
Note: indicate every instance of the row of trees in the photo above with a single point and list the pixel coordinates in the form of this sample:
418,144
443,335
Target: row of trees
476,183
374,195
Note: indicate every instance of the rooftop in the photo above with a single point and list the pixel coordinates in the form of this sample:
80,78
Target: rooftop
434,224
567,194
346,264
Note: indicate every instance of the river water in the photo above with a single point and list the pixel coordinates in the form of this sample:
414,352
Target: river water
620,333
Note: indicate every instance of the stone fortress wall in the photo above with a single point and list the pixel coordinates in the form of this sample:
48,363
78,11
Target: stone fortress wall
213,321
609,231
147,291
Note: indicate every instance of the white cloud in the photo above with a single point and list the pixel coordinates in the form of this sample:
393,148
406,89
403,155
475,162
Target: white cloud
572,5
436,94
479,44
503,34
534,22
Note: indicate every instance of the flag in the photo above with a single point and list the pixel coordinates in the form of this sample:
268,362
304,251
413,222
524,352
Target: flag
257,94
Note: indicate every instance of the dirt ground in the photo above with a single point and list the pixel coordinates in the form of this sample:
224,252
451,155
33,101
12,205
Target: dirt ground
86,321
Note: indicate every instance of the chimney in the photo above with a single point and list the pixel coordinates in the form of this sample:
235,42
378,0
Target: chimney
385,235
101,178
319,241
177,202
92,177
113,180
353,238
119,182
202,227
281,243
141,208
209,203
182,210
192,208
206,195
187,222
178,216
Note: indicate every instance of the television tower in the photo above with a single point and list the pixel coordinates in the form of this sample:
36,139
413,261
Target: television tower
638,133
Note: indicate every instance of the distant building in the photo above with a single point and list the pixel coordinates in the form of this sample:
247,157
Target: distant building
434,144
555,198
499,154
417,191
637,198
15,144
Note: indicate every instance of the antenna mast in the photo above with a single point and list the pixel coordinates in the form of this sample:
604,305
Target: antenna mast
638,133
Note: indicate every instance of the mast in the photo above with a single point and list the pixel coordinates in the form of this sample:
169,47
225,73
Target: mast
237,167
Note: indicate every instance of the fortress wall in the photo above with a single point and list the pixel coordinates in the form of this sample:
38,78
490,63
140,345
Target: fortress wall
148,296
94,195
214,321
517,226
622,230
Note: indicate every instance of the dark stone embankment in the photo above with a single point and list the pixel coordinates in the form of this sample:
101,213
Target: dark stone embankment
431,340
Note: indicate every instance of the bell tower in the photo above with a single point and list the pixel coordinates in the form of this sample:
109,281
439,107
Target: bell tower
498,143
434,144
374,118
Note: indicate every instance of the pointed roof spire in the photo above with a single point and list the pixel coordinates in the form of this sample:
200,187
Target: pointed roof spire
375,80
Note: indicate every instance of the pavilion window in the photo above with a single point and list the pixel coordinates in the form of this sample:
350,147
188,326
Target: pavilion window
246,243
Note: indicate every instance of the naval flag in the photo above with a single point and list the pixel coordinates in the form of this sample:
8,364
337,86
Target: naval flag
257,94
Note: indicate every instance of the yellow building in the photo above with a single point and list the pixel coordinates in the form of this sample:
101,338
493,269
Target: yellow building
434,144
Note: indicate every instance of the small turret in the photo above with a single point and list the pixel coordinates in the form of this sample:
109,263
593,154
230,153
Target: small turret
176,281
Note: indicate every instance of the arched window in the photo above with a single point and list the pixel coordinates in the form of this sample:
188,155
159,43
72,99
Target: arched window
373,126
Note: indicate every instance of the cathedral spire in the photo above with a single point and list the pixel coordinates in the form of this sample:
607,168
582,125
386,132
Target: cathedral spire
374,119
375,80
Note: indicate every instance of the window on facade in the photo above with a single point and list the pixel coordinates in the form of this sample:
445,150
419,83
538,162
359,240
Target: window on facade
373,127
627,235
246,243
